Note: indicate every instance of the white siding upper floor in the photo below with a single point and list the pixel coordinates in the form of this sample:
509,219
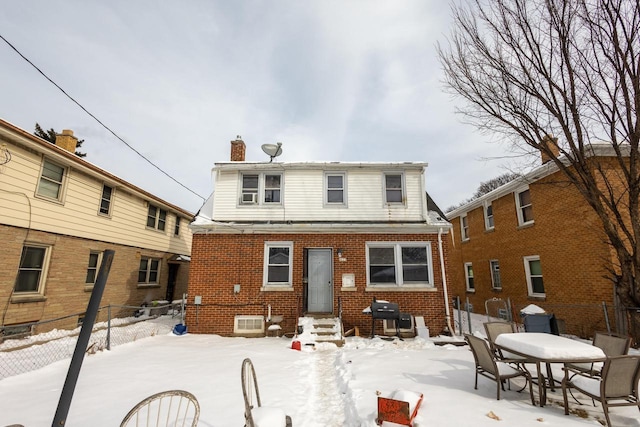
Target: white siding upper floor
319,192
47,188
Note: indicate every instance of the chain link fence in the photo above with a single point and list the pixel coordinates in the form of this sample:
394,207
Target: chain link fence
28,347
581,320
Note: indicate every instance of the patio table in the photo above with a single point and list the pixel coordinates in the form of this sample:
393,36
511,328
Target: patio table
541,348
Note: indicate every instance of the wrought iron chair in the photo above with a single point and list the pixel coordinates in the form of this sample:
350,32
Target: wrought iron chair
617,385
255,414
175,408
490,367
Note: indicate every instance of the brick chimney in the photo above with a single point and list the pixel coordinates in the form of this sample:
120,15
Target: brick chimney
66,140
552,144
238,149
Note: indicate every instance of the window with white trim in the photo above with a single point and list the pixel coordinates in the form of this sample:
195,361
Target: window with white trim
92,269
399,264
533,270
176,229
257,188
105,200
468,274
494,267
277,263
149,271
393,188
250,183
32,270
524,207
248,324
51,183
335,189
488,216
272,188
464,227
156,218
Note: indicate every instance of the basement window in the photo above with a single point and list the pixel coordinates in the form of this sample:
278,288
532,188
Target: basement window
248,325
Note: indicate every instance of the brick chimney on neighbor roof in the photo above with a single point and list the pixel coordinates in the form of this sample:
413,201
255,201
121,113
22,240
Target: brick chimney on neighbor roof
237,150
552,144
66,140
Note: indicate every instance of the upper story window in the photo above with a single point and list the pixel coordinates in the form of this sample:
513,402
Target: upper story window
533,270
494,266
156,218
149,271
277,263
51,181
464,227
105,200
92,268
399,264
176,229
335,188
32,271
468,274
523,205
269,185
488,216
393,188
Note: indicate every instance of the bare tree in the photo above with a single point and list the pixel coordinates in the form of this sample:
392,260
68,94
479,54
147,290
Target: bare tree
558,76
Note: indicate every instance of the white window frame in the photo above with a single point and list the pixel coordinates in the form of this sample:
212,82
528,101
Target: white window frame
495,273
246,319
403,189
489,222
527,270
464,227
159,218
520,208
95,268
470,284
60,184
108,202
265,278
43,270
148,271
397,254
176,227
326,191
244,197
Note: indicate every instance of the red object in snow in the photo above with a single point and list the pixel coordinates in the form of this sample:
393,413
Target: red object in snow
398,411
295,345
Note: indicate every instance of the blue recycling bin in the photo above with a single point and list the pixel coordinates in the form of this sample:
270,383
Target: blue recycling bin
545,323
180,329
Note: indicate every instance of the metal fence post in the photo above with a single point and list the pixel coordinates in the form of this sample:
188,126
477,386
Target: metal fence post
606,316
469,316
459,315
66,395
109,327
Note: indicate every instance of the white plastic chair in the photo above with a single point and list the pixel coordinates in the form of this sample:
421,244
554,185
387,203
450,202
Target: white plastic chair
175,408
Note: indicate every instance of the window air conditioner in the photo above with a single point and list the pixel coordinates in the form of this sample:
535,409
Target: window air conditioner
389,328
249,198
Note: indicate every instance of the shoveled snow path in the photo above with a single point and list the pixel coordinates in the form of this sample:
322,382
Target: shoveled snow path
326,397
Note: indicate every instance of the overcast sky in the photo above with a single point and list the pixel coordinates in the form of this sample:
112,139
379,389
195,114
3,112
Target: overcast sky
178,80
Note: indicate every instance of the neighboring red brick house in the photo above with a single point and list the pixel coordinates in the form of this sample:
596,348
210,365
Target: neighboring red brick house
288,239
535,241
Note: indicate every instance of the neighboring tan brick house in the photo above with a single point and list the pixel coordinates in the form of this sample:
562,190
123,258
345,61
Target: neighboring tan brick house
58,213
289,239
535,241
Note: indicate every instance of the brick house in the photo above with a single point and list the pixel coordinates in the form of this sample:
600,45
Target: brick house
289,239
536,241
58,213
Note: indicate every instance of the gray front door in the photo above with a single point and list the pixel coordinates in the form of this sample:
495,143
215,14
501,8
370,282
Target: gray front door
320,283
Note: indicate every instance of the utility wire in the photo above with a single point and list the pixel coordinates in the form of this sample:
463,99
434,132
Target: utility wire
98,120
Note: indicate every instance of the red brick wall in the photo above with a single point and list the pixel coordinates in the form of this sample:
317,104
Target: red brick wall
220,261
567,237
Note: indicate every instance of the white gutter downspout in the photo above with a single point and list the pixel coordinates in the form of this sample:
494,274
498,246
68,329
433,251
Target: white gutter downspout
444,283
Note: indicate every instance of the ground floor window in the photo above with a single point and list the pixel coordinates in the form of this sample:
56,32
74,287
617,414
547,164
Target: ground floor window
468,273
149,271
533,270
92,268
496,282
399,264
277,263
32,270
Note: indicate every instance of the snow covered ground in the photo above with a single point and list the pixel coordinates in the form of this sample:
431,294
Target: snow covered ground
321,386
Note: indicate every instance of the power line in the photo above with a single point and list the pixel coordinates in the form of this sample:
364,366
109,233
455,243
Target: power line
98,120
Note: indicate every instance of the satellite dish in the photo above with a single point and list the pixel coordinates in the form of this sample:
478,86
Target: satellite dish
272,150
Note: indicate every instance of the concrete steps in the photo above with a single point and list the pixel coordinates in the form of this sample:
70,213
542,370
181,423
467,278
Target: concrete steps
319,329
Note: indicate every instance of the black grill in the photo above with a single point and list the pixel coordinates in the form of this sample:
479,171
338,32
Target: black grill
388,310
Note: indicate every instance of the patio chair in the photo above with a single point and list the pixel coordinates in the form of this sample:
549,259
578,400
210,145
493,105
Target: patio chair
493,329
618,382
611,344
255,414
490,367
168,408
